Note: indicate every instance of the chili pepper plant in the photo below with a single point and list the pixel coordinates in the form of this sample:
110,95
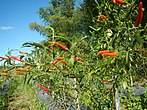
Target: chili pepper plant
95,70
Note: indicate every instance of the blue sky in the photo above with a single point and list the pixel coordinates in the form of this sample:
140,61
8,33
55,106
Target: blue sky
15,17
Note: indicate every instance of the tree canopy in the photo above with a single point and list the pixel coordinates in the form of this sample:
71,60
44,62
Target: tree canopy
63,16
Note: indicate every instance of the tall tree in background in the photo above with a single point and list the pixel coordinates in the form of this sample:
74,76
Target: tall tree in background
63,16
90,10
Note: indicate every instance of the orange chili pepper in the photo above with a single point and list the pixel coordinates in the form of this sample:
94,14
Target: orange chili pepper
16,58
59,58
60,45
78,59
105,81
140,14
114,1
51,45
100,17
22,69
23,52
103,51
4,58
118,1
28,67
4,74
56,61
110,54
43,88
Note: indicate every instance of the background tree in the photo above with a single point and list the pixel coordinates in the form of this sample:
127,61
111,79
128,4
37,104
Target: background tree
90,11
63,16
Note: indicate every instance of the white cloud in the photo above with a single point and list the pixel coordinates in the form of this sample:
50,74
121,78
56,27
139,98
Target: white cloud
6,27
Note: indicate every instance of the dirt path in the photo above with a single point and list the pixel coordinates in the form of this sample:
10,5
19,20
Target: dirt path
23,98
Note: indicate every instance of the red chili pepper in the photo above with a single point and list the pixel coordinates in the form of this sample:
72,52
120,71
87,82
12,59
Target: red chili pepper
120,1
5,58
140,14
56,61
100,17
110,54
64,63
103,51
43,88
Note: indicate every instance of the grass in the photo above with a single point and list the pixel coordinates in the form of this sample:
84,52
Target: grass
24,97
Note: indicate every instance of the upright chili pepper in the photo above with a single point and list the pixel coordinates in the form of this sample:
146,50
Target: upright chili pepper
140,14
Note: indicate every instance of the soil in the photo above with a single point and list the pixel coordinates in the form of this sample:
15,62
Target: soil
21,99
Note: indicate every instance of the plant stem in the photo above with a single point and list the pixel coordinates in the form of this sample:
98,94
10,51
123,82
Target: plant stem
76,95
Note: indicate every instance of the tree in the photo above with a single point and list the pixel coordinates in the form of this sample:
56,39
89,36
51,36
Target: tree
89,8
63,16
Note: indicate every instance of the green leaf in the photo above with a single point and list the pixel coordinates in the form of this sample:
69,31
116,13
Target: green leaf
71,61
138,39
114,41
29,44
125,85
64,38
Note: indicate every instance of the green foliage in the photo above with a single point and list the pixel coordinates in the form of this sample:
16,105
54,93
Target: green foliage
95,81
